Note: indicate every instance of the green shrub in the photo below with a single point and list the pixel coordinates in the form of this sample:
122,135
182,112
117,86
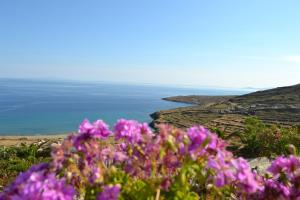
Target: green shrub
16,159
260,139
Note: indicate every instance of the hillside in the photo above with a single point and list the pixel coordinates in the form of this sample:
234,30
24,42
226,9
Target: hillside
288,96
274,106
200,100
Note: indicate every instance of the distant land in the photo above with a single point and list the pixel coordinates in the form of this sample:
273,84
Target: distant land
227,113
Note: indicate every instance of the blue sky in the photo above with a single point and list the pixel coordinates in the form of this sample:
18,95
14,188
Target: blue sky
228,43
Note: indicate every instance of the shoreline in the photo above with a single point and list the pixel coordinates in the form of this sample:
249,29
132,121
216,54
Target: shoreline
202,100
15,140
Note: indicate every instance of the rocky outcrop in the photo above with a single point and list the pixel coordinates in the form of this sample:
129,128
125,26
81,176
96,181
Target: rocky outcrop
44,146
260,165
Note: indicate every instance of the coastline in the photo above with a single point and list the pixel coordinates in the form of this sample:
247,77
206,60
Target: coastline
203,100
16,140
278,106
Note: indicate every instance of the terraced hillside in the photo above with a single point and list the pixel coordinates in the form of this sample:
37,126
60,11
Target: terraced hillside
227,113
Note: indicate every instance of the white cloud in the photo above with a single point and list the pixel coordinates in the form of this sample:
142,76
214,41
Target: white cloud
293,59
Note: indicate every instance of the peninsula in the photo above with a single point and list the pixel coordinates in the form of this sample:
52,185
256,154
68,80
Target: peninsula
227,113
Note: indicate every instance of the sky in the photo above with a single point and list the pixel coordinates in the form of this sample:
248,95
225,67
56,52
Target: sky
226,43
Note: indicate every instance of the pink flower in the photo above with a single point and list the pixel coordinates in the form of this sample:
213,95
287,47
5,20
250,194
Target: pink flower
100,129
224,172
85,126
129,130
244,176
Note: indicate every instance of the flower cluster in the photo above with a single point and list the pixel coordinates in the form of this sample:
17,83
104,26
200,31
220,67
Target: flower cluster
133,162
285,181
38,183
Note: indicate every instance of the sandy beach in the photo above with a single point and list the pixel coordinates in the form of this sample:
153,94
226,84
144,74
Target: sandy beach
17,140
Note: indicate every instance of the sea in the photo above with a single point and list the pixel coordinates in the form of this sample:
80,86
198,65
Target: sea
39,107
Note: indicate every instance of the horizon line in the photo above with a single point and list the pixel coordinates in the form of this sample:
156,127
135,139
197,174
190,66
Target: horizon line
187,86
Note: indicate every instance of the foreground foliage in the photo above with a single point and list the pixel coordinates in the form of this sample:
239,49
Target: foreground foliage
16,159
134,163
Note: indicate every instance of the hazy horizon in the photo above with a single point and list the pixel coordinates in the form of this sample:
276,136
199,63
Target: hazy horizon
57,80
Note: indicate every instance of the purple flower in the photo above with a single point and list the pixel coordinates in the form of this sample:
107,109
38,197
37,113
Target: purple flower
197,135
97,130
244,176
145,129
279,164
283,164
286,178
37,183
85,126
129,130
158,159
277,188
182,148
109,193
202,141
100,129
224,173
95,174
230,171
80,140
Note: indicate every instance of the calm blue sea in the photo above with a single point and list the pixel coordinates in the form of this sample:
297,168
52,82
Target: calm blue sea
30,107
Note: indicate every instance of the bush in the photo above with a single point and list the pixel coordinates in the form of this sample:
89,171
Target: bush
260,139
16,159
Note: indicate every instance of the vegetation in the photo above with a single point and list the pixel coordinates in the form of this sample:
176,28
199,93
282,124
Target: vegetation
261,140
16,159
132,162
